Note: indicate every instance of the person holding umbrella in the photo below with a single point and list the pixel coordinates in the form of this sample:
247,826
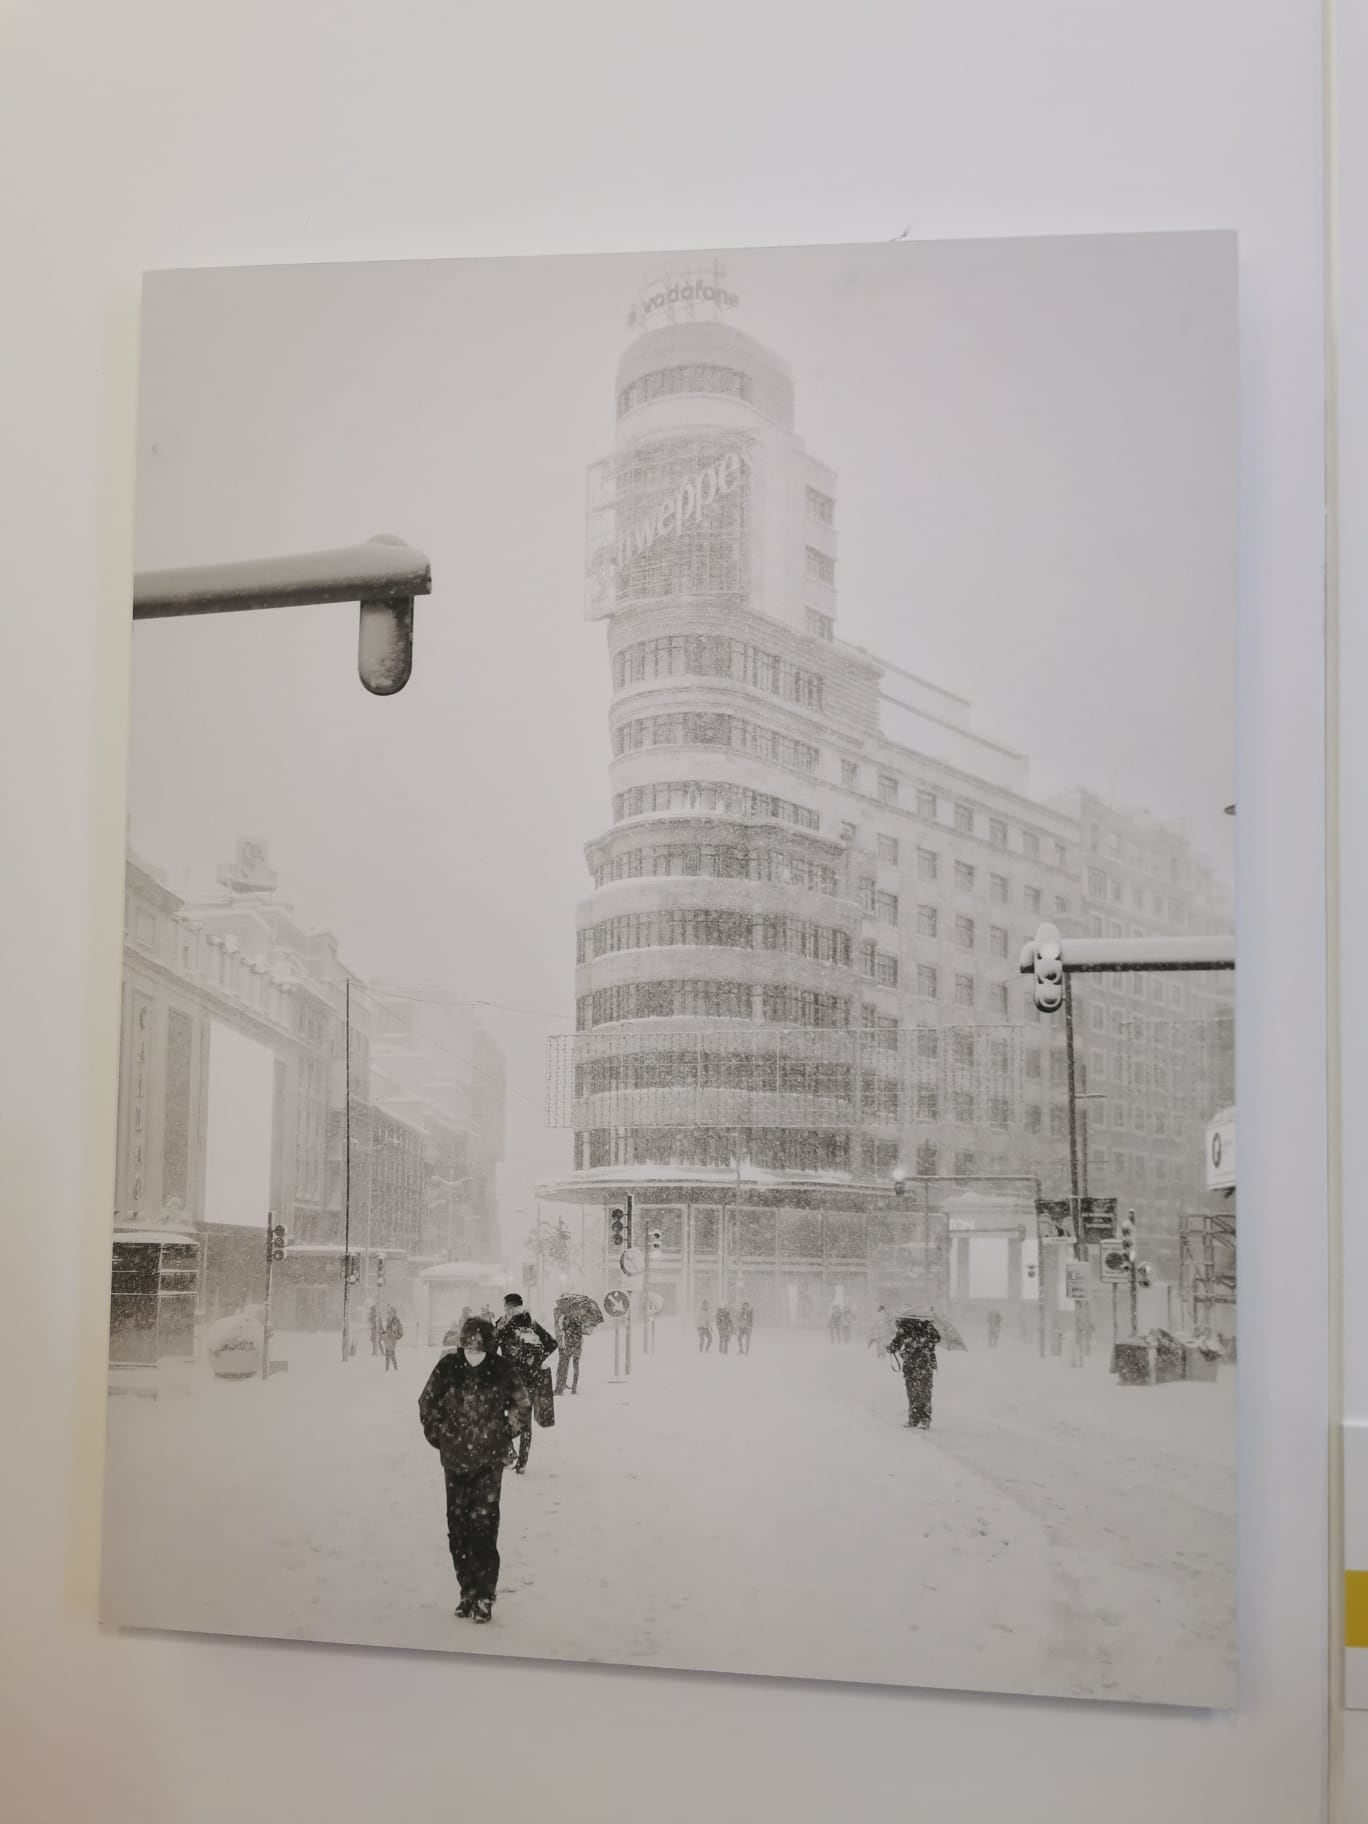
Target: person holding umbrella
570,1329
471,1409
913,1348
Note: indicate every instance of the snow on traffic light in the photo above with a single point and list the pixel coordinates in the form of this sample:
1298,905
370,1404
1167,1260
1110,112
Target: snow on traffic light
1048,952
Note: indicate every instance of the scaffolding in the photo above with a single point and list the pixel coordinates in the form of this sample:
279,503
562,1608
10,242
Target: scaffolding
1206,1268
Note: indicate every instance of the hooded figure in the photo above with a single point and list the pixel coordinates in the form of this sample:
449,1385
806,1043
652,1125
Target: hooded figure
471,1409
526,1347
570,1331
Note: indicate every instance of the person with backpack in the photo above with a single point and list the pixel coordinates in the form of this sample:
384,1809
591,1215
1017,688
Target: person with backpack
913,1349
526,1348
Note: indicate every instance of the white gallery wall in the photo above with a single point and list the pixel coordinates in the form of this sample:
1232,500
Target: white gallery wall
175,132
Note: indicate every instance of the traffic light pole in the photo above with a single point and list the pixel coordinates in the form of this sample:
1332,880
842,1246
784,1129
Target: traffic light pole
266,1308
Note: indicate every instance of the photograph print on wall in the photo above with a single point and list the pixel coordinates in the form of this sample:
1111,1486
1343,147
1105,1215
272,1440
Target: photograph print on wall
685,1116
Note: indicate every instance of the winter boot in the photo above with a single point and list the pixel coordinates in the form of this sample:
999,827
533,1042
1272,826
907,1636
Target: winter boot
465,1608
483,1609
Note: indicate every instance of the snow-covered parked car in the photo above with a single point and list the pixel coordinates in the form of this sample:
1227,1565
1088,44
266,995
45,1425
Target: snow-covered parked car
234,1344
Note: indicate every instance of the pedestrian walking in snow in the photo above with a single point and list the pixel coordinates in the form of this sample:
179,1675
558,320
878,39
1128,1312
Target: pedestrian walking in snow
834,1324
724,1328
526,1347
913,1348
847,1321
745,1323
390,1338
704,1322
373,1320
994,1328
570,1329
471,1409
881,1330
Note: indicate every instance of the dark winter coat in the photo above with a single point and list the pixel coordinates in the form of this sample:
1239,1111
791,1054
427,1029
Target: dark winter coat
571,1332
394,1330
526,1347
471,1415
914,1345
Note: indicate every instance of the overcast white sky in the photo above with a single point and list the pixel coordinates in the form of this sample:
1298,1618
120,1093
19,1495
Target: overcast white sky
1035,446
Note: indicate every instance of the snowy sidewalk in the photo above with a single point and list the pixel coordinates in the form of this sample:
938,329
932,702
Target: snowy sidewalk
765,1513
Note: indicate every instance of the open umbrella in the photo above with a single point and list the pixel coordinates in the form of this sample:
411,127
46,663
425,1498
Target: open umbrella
580,1305
949,1335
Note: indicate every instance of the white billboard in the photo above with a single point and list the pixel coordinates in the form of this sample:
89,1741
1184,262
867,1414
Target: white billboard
237,1153
1220,1151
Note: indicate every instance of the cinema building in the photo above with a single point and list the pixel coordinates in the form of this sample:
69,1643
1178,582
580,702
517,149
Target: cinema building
796,965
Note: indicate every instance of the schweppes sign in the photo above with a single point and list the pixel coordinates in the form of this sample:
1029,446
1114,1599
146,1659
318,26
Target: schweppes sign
686,507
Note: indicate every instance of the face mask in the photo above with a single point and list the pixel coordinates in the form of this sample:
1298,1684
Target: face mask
474,1356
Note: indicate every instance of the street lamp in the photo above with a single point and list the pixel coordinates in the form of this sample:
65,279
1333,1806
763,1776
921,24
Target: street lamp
384,576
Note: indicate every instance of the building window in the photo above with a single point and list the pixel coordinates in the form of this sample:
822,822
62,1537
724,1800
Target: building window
964,877
888,851
964,1164
928,1104
1097,884
998,890
886,970
1061,906
1061,855
997,940
928,864
1059,1122
886,908
997,1111
847,833
964,991
997,832
1032,1118
928,981
850,775
1097,1018
867,954
964,932
926,805
695,377
821,506
821,567
820,626
1032,896
1030,845
888,788
928,1044
999,999
964,819
926,921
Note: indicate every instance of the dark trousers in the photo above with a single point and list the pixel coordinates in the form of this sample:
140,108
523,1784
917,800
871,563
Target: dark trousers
704,1339
391,1360
567,1356
918,1384
723,1338
743,1342
525,1443
473,1528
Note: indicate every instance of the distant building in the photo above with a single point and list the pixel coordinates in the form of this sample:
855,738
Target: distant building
425,1140
797,967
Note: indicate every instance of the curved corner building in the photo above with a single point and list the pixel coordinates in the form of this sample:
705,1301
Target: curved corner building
796,966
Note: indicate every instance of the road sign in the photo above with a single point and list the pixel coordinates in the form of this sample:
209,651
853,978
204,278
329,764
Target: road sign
1097,1219
655,1303
633,1262
617,1304
1076,1279
1115,1266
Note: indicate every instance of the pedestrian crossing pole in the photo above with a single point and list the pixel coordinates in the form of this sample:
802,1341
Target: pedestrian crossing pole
646,1298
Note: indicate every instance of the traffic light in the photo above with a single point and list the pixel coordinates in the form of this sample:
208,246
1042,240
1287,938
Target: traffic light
1049,969
275,1249
1128,1238
657,1241
353,1270
1144,1273
618,1228
899,1181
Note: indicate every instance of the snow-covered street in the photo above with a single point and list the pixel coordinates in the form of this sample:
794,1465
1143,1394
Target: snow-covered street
770,1513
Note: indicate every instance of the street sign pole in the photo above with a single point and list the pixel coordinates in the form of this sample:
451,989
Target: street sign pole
646,1299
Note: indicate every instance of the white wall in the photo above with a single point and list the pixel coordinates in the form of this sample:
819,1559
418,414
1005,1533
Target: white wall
192,132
